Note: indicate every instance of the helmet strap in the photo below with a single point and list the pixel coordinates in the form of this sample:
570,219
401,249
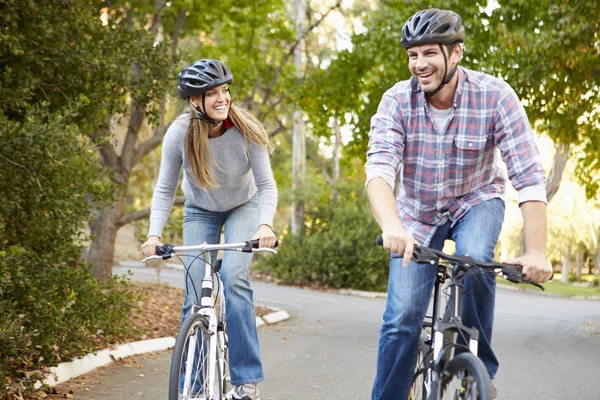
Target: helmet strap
203,116
447,77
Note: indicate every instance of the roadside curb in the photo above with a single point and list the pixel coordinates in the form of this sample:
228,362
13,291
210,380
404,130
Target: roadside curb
514,288
69,370
277,315
72,369
362,293
538,292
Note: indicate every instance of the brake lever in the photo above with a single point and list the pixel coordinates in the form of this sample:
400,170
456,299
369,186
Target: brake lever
515,276
423,256
165,251
535,284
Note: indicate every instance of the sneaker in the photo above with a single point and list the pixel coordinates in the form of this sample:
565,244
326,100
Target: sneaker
249,391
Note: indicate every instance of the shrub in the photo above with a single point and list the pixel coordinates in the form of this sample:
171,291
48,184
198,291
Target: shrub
52,312
339,249
51,308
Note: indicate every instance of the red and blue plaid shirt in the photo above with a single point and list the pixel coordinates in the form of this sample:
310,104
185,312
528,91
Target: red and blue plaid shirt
444,174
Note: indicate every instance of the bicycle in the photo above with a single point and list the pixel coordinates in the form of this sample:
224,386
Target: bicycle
199,365
440,373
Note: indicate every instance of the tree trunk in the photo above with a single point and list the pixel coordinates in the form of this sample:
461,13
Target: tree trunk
298,136
553,182
598,254
579,265
564,278
104,230
558,167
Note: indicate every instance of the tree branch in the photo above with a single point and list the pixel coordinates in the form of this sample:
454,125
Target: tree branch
138,113
323,170
179,25
558,167
143,214
293,48
156,21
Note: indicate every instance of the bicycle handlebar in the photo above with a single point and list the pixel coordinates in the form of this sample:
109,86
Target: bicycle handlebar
167,250
510,272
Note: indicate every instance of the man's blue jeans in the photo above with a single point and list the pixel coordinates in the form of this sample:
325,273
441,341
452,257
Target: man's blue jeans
409,292
239,225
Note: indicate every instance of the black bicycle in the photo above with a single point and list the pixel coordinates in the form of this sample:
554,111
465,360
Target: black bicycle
441,372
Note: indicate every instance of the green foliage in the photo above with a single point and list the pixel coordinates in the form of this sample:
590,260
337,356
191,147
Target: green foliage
94,64
339,250
52,171
52,311
547,50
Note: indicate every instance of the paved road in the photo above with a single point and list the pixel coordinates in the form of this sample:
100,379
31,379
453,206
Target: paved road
549,349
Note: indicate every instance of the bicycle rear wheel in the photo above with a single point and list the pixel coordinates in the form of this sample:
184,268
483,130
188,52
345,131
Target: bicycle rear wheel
189,375
465,378
417,388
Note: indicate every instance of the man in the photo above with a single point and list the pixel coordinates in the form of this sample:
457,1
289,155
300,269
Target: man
446,130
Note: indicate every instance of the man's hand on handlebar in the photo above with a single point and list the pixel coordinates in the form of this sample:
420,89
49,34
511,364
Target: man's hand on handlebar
536,267
149,247
401,242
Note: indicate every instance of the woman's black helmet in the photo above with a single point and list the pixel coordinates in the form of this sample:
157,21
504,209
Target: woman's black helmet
202,76
433,26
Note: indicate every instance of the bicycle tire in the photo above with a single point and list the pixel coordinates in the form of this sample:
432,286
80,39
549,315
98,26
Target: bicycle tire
465,378
417,385
193,332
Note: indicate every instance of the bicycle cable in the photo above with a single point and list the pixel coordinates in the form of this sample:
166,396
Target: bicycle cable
188,275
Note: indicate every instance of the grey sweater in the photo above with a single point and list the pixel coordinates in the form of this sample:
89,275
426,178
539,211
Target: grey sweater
238,178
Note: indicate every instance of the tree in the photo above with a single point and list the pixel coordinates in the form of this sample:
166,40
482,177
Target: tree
298,134
254,38
558,93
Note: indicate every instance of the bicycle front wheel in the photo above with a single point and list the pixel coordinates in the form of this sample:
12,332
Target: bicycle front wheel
465,378
418,390
189,376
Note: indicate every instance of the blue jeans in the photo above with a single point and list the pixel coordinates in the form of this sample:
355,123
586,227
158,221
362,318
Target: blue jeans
239,224
409,292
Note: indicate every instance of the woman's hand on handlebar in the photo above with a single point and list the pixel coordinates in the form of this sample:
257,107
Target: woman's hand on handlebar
399,241
266,236
149,247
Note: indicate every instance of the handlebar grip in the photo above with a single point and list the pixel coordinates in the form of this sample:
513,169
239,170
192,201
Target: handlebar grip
379,240
165,249
255,243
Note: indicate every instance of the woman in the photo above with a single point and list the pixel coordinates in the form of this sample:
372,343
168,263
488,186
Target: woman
228,185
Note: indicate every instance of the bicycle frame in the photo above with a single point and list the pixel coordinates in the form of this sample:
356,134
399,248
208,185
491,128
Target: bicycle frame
207,309
449,324
436,363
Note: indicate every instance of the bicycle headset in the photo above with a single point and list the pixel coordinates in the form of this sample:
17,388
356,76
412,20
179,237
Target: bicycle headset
199,78
434,26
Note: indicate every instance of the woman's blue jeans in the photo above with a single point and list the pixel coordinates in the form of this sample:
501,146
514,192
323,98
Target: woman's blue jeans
239,225
409,293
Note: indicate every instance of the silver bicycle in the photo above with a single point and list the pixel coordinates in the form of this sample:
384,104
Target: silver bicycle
199,365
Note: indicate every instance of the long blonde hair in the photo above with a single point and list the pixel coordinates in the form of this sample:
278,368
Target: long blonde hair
197,150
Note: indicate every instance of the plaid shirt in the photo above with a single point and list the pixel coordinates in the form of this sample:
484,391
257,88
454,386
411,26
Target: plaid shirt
444,174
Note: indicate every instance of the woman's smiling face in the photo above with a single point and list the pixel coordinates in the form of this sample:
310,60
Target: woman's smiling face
216,102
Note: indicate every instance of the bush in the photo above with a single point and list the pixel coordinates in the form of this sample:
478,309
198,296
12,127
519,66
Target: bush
51,308
339,249
53,312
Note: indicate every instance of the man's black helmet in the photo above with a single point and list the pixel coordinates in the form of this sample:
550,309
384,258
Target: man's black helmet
433,26
202,76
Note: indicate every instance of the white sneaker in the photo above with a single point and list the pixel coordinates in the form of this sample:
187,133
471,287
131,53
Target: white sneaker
249,391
